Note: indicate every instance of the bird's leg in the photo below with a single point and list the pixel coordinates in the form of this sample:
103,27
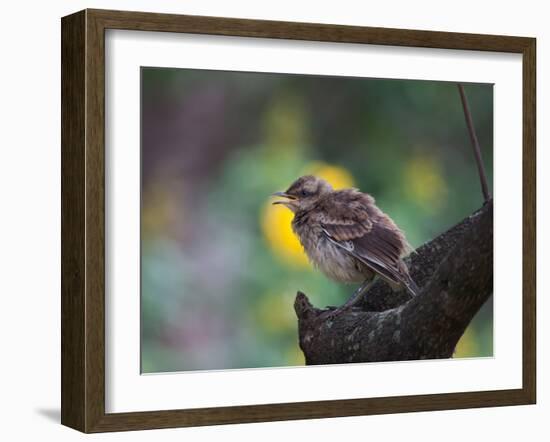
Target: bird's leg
357,294
356,297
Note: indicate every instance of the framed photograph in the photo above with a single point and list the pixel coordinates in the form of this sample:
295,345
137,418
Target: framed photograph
270,220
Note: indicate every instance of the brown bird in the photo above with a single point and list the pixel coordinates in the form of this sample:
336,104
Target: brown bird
347,236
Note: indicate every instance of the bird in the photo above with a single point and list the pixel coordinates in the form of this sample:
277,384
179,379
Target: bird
347,237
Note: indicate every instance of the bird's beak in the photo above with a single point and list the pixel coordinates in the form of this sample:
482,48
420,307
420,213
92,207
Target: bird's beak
283,195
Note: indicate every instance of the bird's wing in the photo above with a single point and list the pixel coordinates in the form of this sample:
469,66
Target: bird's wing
370,241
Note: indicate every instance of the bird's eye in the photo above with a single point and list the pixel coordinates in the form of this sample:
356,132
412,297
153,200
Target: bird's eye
304,192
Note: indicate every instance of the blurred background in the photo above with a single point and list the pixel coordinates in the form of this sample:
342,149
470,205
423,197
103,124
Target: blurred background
220,264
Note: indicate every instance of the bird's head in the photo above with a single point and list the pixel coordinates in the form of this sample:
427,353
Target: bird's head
303,193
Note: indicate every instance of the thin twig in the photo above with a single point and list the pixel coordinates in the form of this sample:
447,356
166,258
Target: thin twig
475,144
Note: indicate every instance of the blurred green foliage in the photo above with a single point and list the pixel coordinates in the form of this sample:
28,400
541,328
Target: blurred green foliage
219,271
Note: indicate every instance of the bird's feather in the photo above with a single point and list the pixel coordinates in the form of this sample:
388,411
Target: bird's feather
366,233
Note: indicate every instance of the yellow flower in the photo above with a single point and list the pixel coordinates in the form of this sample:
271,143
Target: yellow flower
275,220
294,355
337,176
157,213
467,346
275,223
286,124
275,313
424,181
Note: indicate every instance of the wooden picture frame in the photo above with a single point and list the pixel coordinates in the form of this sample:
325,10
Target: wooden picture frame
83,220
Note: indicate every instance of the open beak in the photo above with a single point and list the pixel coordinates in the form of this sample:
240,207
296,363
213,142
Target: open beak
283,195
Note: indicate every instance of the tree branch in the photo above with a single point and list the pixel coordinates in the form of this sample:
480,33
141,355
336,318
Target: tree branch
455,273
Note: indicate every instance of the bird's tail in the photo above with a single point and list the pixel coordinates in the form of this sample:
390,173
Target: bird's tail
411,286
407,281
